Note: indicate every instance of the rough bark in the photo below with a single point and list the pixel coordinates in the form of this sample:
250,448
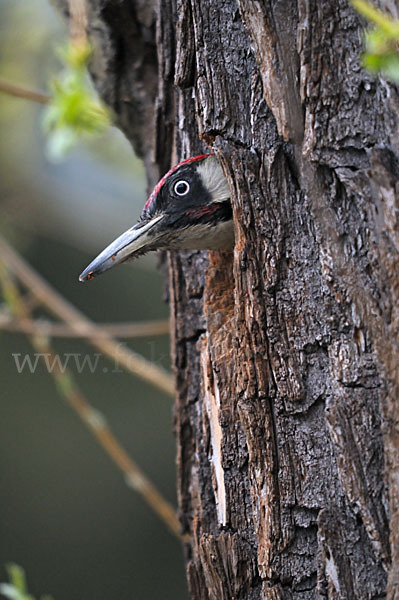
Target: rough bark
286,353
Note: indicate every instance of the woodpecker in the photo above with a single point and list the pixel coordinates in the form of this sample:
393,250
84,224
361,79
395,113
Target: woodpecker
189,209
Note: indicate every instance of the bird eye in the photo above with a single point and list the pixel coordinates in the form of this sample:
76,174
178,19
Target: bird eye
181,188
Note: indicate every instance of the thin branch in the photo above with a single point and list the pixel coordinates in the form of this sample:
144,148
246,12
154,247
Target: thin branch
93,420
77,321
54,330
22,92
78,21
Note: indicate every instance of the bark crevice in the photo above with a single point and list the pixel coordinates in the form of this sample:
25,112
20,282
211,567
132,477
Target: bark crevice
286,352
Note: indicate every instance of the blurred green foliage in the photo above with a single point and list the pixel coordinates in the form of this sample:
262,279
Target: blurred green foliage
381,43
17,588
74,110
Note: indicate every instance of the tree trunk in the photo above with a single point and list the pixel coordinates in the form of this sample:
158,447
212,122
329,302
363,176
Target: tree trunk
286,353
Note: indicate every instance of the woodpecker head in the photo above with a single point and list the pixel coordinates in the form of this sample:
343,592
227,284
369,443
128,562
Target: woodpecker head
189,209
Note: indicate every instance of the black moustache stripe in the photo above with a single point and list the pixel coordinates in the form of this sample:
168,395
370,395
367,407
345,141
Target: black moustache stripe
209,214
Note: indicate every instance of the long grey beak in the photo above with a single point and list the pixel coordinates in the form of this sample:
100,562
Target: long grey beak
134,239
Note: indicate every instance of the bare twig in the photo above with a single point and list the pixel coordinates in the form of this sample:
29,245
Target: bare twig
92,419
78,21
78,25
63,330
57,305
22,92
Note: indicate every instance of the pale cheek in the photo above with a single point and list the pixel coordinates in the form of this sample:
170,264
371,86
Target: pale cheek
203,237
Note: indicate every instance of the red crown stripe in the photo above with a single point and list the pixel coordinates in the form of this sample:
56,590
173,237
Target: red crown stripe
161,182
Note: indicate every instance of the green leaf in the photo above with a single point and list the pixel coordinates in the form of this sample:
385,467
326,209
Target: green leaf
60,142
372,62
17,577
384,22
74,111
17,588
381,43
10,591
391,69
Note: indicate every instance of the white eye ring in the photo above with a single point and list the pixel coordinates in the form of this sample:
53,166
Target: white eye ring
184,187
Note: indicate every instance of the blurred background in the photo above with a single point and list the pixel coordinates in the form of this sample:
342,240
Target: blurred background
66,514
